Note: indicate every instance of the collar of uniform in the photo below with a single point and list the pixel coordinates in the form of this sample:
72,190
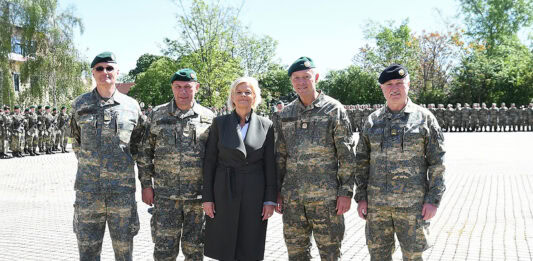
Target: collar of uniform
318,102
117,98
408,108
176,112
246,120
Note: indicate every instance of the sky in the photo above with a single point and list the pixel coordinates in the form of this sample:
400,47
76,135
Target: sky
330,32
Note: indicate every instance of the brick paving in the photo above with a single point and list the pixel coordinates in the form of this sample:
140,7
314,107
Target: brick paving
486,213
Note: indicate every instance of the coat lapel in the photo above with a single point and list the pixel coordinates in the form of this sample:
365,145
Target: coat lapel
255,137
232,135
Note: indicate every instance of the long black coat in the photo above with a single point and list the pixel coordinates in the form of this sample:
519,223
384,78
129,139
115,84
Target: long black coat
238,177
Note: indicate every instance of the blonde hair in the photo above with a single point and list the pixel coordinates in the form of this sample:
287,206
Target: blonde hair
255,89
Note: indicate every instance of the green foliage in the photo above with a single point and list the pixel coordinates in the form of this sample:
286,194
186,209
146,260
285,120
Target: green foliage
256,53
142,65
491,22
153,86
277,84
352,85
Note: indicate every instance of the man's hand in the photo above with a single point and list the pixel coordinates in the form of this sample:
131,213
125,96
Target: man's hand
428,211
279,207
362,209
209,209
268,210
343,204
148,196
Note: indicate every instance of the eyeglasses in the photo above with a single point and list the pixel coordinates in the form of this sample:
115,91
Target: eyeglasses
101,68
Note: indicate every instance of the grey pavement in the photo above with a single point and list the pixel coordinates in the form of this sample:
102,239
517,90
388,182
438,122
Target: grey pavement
486,213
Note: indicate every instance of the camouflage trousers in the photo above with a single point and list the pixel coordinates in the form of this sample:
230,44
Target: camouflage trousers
17,141
407,223
318,218
3,144
42,138
91,213
32,139
62,138
174,221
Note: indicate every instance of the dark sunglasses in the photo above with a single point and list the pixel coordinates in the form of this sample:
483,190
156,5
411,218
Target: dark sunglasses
101,68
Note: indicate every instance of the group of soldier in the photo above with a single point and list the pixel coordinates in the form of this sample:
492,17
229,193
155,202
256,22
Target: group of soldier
463,118
32,132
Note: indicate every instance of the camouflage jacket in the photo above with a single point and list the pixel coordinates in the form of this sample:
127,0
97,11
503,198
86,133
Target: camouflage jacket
483,114
173,151
17,124
8,121
400,158
33,119
41,125
106,135
315,156
62,121
49,121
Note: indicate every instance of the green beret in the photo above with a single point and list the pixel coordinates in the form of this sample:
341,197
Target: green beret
47,107
185,75
32,107
16,107
6,107
63,107
394,71
27,110
54,109
39,107
302,63
107,57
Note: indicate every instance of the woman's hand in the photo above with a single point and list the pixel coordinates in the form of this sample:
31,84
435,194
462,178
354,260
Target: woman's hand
209,209
268,210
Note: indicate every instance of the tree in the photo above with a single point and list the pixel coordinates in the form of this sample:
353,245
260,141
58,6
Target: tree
143,63
352,85
276,82
153,86
256,53
491,22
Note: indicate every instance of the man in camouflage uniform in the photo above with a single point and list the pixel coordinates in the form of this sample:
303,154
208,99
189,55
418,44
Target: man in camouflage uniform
474,117
315,167
171,169
530,117
458,118
399,171
106,130
465,117
439,113
358,117
49,122
32,132
448,117
17,132
55,132
41,127
503,117
62,127
6,133
484,117
493,117
513,117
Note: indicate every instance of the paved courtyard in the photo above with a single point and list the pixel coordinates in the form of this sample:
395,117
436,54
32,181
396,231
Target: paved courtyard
486,213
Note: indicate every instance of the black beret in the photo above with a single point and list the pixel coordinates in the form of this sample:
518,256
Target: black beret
107,57
47,107
185,75
302,63
394,71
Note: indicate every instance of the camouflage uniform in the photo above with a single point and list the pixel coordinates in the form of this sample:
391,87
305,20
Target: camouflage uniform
465,117
17,134
399,168
458,117
502,117
359,117
493,114
530,117
514,117
448,117
474,117
315,162
172,155
41,126
7,119
484,117
49,122
105,136
439,113
32,137
62,137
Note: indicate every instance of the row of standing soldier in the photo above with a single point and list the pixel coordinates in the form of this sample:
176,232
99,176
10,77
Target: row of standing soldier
24,133
463,118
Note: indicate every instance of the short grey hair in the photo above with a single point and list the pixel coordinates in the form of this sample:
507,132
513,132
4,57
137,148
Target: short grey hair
255,88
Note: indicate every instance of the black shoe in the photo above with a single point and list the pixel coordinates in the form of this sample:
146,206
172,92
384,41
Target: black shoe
26,151
48,151
35,153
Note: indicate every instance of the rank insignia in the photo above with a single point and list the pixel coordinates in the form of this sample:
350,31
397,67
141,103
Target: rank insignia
393,132
304,125
307,64
401,72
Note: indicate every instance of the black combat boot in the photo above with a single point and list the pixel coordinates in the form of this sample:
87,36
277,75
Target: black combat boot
31,152
35,152
26,151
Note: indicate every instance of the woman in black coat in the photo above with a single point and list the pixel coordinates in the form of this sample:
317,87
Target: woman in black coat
239,178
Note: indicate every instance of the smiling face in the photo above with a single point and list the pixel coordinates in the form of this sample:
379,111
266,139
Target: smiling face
105,74
243,97
395,92
304,82
184,93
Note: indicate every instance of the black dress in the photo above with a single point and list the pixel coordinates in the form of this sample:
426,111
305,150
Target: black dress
238,177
